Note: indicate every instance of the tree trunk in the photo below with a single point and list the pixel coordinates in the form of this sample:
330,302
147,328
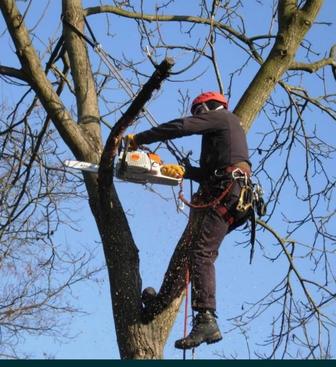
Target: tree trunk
137,339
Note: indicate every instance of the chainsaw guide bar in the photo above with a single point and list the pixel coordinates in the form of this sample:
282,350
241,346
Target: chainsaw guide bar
132,166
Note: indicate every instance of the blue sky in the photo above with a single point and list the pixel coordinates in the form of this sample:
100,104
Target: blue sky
155,223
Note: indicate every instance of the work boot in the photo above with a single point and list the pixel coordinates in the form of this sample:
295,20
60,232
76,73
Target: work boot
148,298
205,329
148,295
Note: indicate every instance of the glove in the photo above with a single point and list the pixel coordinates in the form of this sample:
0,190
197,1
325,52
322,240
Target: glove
173,170
131,141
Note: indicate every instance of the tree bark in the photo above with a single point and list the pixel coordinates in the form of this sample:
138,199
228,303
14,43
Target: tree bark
85,90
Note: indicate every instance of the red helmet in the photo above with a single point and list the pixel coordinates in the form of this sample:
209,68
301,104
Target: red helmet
209,96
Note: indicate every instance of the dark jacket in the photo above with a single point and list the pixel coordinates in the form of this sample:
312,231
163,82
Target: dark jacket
223,140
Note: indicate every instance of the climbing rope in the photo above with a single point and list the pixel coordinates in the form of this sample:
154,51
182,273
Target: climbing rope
212,203
185,328
187,281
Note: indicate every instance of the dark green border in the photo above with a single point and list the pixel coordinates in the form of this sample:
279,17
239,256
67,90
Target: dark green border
142,363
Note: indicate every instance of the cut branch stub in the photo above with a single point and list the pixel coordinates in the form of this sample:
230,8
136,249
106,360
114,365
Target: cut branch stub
105,175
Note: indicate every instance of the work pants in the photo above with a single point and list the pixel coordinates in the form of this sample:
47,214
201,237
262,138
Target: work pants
208,229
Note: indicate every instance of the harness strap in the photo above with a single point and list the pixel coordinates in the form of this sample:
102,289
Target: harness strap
223,211
214,203
237,168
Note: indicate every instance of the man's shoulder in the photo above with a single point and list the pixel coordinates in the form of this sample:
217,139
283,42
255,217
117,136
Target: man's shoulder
224,116
227,113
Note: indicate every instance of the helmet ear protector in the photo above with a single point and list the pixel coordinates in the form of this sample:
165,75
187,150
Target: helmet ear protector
199,103
203,107
199,108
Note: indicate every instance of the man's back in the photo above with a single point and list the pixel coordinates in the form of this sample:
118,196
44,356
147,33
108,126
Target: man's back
223,138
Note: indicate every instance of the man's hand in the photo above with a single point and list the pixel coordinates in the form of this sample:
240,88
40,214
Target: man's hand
173,170
131,141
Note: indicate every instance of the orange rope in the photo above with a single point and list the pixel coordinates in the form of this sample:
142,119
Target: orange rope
185,331
212,203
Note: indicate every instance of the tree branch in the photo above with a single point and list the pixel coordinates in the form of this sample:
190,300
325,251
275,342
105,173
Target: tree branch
311,6
289,257
12,72
314,66
105,171
86,96
175,18
333,56
286,9
162,18
120,250
292,28
38,80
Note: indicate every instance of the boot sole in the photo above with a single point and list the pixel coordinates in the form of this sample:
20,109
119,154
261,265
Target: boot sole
214,339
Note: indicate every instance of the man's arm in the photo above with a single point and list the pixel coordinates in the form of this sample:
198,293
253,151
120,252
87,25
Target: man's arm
182,127
178,128
170,130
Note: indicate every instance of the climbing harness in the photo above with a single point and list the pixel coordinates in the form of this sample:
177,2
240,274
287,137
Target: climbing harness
216,201
213,203
250,199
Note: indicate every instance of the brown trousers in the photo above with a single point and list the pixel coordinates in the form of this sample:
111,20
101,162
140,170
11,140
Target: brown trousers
208,229
198,248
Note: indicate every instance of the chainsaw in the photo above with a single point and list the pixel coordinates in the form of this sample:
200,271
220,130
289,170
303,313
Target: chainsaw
137,166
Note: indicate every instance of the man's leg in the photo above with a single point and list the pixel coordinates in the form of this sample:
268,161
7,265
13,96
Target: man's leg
203,253
208,233
174,281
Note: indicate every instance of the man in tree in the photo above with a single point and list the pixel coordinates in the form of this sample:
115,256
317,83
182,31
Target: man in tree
224,169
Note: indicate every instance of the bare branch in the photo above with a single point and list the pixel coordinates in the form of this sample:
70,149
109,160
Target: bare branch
314,66
87,102
280,58
105,170
31,65
12,72
174,18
